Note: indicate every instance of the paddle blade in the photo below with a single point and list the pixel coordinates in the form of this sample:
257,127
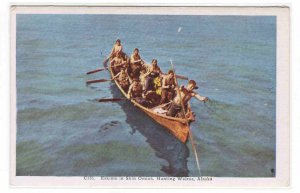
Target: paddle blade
105,62
95,81
97,70
112,100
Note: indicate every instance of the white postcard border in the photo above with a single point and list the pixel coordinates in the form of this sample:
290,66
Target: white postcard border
282,99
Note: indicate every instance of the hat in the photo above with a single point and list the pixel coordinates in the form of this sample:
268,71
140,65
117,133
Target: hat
170,71
194,83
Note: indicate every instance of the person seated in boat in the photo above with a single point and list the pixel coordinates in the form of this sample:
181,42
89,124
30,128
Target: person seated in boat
168,87
142,77
118,63
123,79
183,95
136,64
135,92
116,48
153,98
153,72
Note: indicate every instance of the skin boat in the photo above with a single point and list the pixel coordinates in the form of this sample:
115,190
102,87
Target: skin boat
177,126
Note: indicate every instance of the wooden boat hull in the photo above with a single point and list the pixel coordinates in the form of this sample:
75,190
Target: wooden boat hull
178,129
176,126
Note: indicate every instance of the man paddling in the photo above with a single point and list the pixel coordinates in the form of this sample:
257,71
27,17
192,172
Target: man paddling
117,48
118,63
136,63
183,95
135,92
153,72
123,79
168,87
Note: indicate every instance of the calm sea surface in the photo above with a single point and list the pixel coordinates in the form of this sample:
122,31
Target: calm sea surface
61,131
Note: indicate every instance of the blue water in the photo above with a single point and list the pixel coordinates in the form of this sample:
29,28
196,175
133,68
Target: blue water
61,131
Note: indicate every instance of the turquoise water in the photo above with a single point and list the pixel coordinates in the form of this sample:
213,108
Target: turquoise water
61,131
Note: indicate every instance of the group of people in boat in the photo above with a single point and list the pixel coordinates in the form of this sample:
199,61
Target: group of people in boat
148,85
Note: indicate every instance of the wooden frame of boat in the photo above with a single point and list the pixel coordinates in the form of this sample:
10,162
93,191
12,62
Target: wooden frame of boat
177,126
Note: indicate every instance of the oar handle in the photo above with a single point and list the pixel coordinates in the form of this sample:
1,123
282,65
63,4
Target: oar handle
181,77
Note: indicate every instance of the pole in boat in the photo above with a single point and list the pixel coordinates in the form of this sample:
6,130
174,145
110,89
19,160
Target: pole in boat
190,132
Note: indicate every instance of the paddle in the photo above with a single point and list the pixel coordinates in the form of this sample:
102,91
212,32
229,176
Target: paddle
181,77
101,69
112,99
190,132
97,70
98,80
105,61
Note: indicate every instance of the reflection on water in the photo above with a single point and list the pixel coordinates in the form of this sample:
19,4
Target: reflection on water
165,145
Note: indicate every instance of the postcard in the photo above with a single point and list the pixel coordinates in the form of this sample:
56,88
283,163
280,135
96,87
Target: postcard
149,97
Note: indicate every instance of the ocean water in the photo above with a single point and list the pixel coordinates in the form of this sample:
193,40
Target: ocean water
62,131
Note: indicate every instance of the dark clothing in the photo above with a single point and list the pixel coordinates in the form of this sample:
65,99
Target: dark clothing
137,93
153,98
135,67
135,90
123,80
134,73
149,85
166,95
168,91
124,85
153,74
142,101
173,110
